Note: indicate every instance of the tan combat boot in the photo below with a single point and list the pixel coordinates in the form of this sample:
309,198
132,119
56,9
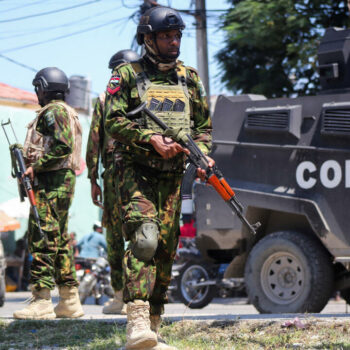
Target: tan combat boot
40,307
116,305
156,321
138,328
69,304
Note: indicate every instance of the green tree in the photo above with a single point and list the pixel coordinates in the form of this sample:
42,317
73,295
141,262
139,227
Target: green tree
271,45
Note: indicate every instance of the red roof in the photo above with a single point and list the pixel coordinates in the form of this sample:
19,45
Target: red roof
8,92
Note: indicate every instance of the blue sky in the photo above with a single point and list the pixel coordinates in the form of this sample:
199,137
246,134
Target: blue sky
89,33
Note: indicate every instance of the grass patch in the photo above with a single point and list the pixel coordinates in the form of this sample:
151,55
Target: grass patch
67,334
186,335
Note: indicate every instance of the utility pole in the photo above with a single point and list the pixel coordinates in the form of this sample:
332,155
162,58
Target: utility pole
202,44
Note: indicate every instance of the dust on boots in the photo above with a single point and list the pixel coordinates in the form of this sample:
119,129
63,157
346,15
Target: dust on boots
69,305
138,329
116,306
40,307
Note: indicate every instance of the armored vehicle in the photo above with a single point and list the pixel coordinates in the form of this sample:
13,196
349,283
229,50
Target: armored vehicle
288,159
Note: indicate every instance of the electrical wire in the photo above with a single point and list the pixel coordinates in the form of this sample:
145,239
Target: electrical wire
128,7
61,36
18,63
48,12
67,24
22,6
36,70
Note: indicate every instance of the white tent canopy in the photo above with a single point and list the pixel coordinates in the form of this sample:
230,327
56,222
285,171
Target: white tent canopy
15,208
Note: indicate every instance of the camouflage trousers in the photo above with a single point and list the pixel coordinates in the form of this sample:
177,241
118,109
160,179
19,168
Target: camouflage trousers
112,222
149,195
52,261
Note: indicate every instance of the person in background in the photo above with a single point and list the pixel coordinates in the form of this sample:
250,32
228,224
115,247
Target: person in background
187,229
91,244
73,243
101,146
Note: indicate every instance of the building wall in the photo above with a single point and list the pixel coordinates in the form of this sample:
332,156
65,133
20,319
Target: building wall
82,213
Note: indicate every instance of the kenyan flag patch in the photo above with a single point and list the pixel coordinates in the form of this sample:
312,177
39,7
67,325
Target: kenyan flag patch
113,84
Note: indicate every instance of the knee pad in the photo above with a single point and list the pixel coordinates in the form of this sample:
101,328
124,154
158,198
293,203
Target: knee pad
146,241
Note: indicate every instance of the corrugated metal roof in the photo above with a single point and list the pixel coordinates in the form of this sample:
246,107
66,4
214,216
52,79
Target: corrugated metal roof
11,93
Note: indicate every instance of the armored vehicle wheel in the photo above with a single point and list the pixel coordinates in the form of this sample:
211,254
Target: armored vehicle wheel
289,272
195,297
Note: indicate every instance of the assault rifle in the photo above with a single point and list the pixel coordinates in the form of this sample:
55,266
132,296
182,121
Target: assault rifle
213,175
25,188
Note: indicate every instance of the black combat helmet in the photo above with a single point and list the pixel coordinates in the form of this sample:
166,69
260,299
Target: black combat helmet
51,79
157,19
123,56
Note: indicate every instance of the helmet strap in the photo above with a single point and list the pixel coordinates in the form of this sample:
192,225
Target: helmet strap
163,62
48,96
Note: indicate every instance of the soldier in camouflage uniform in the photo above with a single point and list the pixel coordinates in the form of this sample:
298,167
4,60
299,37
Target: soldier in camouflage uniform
101,145
151,168
52,151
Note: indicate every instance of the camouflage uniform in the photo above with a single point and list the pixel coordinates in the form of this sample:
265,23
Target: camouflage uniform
99,144
54,192
149,185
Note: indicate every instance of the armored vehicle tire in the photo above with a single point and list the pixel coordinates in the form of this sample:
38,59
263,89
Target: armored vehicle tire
289,272
192,296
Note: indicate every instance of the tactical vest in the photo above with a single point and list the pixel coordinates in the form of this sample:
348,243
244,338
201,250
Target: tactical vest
37,144
170,103
108,142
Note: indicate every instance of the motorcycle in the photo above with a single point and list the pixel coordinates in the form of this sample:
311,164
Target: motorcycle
95,280
196,282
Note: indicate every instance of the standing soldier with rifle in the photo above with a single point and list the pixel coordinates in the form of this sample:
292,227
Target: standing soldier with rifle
52,152
151,168
101,145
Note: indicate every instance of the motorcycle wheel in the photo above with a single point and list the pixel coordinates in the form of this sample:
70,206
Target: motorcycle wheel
192,296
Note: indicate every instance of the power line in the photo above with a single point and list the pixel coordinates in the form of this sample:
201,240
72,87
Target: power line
61,37
18,63
23,5
40,30
35,71
48,12
129,7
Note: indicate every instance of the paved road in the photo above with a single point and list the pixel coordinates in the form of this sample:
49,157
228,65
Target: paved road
219,309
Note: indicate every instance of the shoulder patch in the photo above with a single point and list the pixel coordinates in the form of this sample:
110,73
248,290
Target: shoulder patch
50,117
114,84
